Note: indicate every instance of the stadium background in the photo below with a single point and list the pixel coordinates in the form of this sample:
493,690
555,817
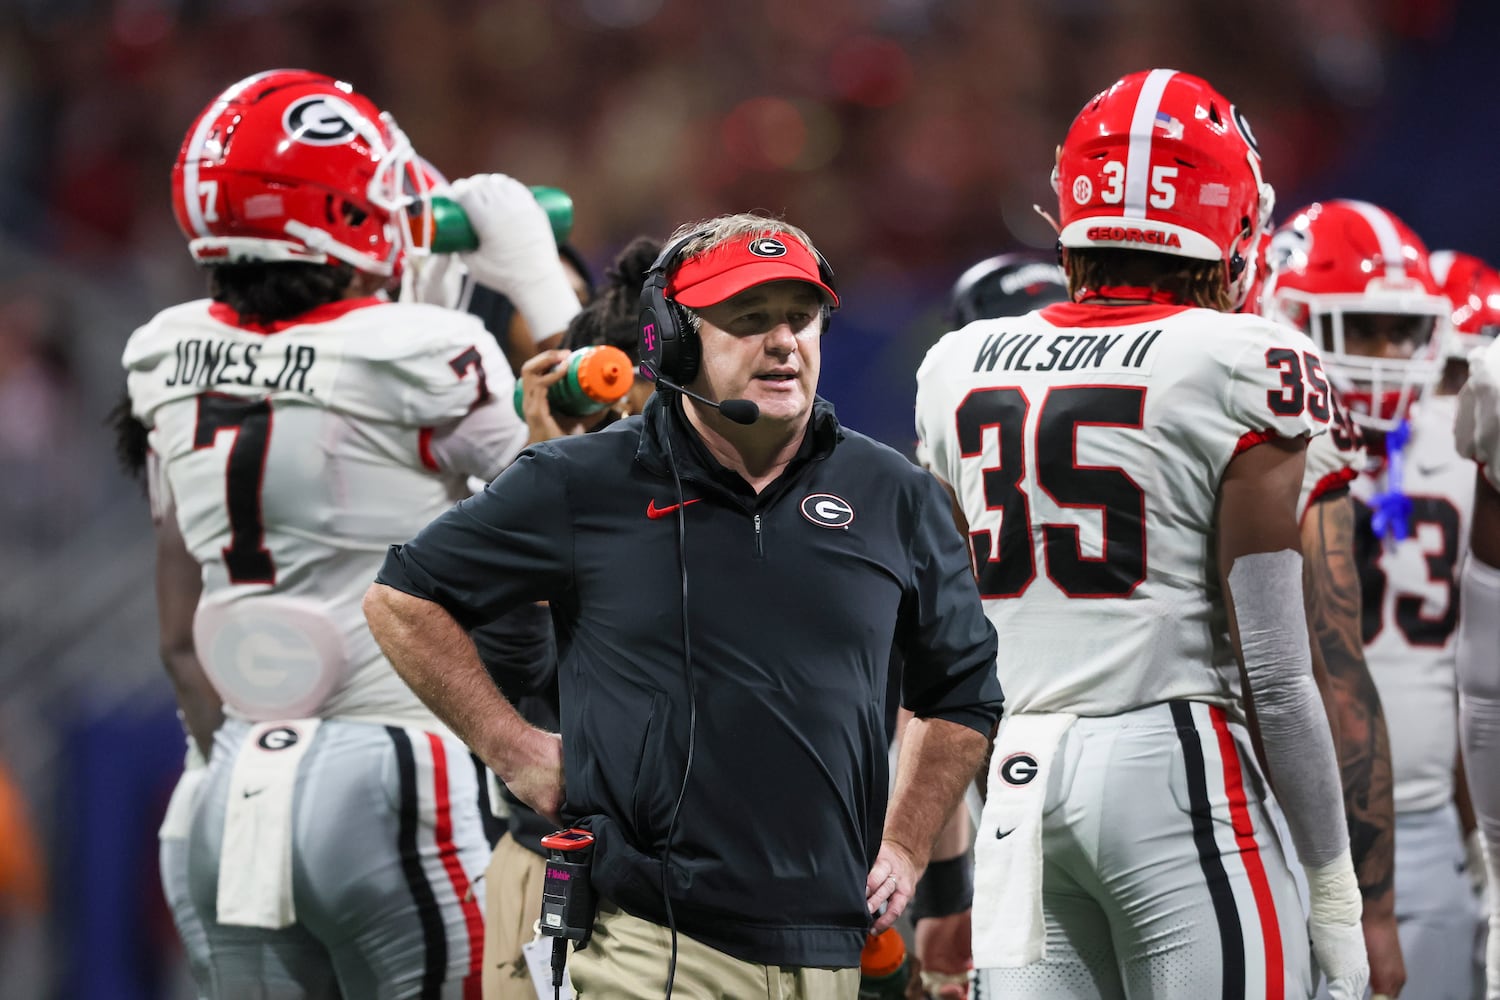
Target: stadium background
909,137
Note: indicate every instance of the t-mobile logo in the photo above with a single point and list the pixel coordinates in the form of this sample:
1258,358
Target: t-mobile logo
648,334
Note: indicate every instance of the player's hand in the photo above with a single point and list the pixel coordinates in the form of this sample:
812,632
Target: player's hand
517,255
515,236
1383,947
1340,951
536,777
892,880
1492,961
945,949
538,374
1474,863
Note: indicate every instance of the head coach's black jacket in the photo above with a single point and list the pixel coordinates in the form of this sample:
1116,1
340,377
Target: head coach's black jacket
795,598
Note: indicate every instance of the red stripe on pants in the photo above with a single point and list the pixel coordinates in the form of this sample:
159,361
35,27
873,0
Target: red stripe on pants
448,852
1255,869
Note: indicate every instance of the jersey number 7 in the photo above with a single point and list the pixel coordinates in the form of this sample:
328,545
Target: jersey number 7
1007,569
246,558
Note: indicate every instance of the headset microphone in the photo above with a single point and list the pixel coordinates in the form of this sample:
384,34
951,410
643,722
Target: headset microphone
740,411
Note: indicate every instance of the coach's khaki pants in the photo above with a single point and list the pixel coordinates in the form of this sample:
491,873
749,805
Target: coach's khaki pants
512,904
628,958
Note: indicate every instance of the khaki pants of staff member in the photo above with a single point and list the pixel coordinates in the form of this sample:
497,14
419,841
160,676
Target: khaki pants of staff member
512,904
628,956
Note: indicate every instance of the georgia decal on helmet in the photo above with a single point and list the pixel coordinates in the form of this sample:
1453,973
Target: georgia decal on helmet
1163,162
1473,287
1357,280
291,165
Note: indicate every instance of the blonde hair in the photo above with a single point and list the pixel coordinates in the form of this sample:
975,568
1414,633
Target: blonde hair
1192,282
725,228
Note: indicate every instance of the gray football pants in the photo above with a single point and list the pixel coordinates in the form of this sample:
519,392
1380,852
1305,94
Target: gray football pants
173,861
1163,876
386,844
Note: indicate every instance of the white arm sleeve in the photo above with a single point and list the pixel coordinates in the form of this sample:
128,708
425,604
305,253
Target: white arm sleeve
483,443
1266,591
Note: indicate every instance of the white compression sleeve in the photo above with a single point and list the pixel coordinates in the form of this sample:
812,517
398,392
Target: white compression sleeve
483,443
1479,702
1266,591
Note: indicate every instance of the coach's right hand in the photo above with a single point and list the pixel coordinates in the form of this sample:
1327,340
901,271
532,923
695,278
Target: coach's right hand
536,773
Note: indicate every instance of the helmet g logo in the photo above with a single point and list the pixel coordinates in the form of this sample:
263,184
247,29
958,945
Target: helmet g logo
1290,250
827,511
318,121
1018,769
1243,124
767,246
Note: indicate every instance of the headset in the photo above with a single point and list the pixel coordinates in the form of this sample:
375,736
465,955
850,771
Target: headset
669,341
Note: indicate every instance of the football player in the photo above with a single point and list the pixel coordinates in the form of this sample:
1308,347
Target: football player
1477,435
1357,280
1330,583
1129,465
1473,287
1006,285
299,421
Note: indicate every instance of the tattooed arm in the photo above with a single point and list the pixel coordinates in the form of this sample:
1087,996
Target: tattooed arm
1331,586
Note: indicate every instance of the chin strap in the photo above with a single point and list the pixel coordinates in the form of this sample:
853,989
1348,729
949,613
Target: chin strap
1391,510
1133,293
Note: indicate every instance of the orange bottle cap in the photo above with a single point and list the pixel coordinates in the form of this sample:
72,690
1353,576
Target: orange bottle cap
606,374
883,953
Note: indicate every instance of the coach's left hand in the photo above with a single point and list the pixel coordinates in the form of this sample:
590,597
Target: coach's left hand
892,880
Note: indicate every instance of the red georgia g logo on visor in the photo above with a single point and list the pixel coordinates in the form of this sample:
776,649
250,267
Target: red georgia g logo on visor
827,511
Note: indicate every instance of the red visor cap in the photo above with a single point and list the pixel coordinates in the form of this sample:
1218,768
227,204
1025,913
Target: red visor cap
730,268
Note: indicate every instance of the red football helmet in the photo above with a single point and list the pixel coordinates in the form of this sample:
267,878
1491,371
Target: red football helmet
1474,289
1335,268
290,165
1163,162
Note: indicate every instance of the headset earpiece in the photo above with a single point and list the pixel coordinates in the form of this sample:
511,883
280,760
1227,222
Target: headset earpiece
669,344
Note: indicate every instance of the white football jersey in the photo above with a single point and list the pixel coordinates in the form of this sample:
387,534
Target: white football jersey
294,456
1410,597
1477,428
1333,459
1086,445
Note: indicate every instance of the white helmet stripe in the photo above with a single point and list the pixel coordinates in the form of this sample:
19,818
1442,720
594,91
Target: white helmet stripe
190,192
1385,233
1142,128
1441,262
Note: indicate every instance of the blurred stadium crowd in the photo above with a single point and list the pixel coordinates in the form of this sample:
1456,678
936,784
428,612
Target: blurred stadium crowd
909,137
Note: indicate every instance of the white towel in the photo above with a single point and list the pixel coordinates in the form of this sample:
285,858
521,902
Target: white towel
255,859
1009,931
